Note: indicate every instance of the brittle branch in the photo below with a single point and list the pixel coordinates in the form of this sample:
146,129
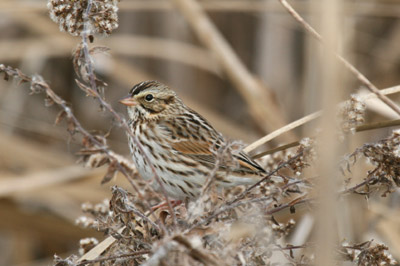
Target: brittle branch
363,79
38,85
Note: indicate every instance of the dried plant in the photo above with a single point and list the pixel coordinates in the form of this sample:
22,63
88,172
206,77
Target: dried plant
384,157
368,254
352,114
231,227
237,225
94,16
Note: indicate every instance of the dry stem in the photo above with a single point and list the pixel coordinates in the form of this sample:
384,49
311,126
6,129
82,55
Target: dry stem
305,120
364,80
257,96
95,92
39,85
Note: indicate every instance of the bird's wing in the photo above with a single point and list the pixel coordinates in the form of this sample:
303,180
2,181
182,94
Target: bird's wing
247,163
199,150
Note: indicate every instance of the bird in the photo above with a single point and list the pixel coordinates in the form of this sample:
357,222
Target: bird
180,145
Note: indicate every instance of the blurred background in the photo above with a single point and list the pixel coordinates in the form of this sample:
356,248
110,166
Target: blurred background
41,185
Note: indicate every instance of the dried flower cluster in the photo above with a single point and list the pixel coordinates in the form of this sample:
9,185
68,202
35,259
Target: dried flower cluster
243,235
307,153
366,254
76,16
385,157
233,227
351,114
87,244
84,69
270,161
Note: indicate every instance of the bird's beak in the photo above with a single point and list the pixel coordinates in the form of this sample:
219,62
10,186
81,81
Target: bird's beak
128,101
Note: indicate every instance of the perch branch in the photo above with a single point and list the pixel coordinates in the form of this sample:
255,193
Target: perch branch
39,85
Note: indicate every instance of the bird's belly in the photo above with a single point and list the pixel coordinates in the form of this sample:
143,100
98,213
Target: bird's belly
180,181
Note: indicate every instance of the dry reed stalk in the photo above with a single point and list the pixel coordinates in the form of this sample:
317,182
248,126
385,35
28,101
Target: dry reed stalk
361,128
150,47
377,9
251,206
363,79
32,181
127,74
311,117
331,84
257,96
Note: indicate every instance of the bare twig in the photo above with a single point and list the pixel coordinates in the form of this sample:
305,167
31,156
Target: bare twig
307,119
237,201
98,95
195,253
39,85
371,87
361,128
276,170
282,130
377,125
131,255
223,209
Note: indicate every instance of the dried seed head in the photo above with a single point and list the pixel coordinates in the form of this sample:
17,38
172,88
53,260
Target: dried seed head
86,222
351,114
309,154
367,254
87,244
385,156
70,261
71,15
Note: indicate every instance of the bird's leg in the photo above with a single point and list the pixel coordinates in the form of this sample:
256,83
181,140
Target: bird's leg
164,204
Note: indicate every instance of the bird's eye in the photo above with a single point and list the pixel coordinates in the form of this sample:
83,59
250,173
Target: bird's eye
149,97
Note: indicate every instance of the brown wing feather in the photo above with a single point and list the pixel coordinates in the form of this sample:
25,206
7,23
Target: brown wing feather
191,147
247,163
201,150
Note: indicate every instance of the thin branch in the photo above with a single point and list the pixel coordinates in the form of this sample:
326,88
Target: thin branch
223,209
277,169
361,128
377,125
39,85
279,148
291,247
290,204
371,87
354,188
282,130
132,255
95,92
307,119
195,253
237,201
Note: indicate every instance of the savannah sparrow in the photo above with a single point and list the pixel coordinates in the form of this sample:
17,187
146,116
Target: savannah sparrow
182,146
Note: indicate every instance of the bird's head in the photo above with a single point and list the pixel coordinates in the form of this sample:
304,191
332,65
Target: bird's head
151,100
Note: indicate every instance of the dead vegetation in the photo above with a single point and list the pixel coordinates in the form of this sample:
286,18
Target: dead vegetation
275,221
